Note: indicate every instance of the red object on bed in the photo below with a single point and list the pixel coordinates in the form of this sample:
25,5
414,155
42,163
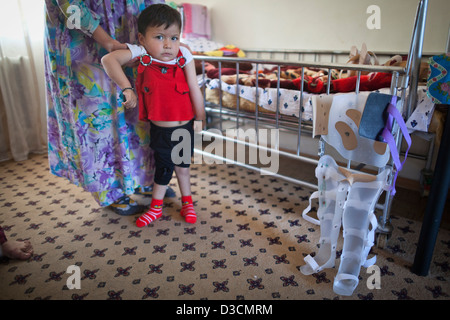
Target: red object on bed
370,82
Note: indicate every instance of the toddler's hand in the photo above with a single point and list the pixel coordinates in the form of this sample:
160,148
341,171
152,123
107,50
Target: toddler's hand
198,126
130,99
133,63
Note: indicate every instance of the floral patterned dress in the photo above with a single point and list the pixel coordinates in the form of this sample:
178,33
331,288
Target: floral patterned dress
92,140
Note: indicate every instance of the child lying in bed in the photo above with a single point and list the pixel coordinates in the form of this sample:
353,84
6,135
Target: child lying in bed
169,97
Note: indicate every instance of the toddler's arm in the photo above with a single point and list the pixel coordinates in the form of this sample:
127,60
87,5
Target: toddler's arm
196,96
112,63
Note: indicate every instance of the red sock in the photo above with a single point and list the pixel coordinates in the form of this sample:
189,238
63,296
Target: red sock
187,209
151,215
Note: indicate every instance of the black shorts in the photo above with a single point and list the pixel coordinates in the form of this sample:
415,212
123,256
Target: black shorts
162,145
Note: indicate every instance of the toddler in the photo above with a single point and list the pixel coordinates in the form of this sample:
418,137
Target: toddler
169,97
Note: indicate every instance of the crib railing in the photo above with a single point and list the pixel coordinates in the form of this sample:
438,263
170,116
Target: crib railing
278,120
294,55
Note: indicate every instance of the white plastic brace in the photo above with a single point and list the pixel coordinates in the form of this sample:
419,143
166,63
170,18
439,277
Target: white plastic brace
347,199
331,194
359,224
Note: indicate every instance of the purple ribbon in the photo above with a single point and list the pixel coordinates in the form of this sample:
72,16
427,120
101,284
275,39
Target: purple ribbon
394,114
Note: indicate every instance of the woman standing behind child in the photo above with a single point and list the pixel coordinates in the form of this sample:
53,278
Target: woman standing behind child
169,97
92,140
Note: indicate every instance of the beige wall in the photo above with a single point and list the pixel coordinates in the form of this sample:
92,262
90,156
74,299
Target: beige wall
324,24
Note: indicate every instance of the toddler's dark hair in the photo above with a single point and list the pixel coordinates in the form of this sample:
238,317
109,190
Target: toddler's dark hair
157,15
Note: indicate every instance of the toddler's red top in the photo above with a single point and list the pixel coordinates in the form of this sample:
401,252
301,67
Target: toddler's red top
163,91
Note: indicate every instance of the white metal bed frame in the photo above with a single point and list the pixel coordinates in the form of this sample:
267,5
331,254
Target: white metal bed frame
402,78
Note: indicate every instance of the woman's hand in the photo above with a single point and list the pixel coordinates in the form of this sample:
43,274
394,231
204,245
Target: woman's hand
186,46
106,41
113,45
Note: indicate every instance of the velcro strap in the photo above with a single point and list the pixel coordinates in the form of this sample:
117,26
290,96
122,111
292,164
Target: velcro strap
351,255
357,204
314,195
346,276
312,263
370,262
355,232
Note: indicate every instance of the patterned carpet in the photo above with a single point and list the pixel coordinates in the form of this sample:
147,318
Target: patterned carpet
248,244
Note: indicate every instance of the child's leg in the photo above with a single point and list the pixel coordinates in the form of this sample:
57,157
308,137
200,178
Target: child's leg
155,211
184,181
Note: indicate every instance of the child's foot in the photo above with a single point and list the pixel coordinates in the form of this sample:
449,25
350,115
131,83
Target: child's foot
187,210
151,215
148,191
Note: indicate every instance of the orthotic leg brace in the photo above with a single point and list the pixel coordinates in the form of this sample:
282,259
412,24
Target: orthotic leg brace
329,214
347,199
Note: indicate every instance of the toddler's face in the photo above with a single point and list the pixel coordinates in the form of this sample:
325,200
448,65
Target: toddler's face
161,43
